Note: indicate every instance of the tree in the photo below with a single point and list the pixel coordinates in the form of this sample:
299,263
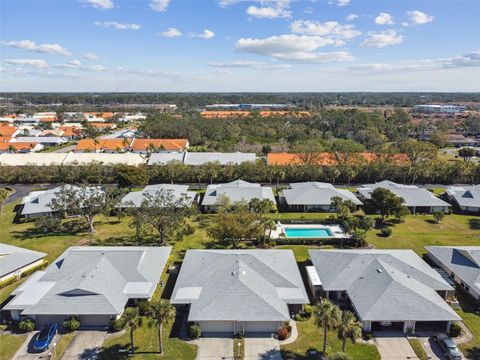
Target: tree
48,224
263,207
349,328
133,319
130,176
327,316
438,216
467,153
166,212
343,208
161,312
385,202
3,197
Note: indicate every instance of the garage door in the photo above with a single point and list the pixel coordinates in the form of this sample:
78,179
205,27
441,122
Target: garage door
216,326
94,320
48,319
261,326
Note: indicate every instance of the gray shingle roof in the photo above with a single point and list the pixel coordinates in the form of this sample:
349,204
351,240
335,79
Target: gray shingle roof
238,190
316,193
92,280
385,285
463,261
242,285
201,158
135,198
411,194
13,258
468,196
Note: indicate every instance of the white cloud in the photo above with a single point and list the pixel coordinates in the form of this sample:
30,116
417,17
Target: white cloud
384,19
271,10
29,45
419,18
343,2
244,64
101,4
159,5
308,10
382,39
293,47
206,34
329,29
172,32
91,56
117,25
352,17
37,63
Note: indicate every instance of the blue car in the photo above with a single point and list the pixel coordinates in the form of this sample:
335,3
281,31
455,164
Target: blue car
45,337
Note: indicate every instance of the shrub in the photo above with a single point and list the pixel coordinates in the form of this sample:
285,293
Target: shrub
386,231
282,333
194,331
142,306
188,229
455,330
438,216
307,311
26,325
298,317
117,324
289,328
72,323
368,336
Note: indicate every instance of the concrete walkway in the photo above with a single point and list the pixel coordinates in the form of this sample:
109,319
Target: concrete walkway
85,345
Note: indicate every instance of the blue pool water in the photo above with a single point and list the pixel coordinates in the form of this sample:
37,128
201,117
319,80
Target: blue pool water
307,232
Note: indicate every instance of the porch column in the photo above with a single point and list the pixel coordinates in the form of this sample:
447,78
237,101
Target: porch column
449,324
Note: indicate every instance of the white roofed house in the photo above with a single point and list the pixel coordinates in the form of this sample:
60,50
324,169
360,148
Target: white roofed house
387,289
235,191
16,260
466,198
314,196
418,200
178,193
202,158
94,283
43,140
231,291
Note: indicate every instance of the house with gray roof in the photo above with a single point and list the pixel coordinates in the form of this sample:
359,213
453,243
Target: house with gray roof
202,158
418,200
15,260
467,198
387,289
231,291
235,191
179,193
461,263
44,140
314,196
94,283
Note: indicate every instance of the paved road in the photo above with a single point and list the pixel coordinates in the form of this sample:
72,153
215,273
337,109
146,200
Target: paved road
25,352
211,348
22,190
394,347
65,149
266,348
85,345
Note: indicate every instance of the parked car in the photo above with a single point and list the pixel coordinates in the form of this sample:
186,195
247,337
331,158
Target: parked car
45,337
448,346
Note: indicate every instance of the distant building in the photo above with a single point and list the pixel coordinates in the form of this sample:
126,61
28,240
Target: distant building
145,146
439,109
202,158
249,106
16,260
467,198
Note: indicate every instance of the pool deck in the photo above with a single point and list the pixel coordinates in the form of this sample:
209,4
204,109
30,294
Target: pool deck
337,231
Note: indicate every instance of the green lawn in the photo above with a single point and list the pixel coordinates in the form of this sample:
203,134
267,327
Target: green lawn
417,346
9,345
310,337
471,319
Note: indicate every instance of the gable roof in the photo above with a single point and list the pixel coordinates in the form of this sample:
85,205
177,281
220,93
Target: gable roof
328,158
135,198
8,131
463,261
13,258
243,285
92,280
385,285
109,159
202,158
163,144
316,193
103,144
237,190
467,196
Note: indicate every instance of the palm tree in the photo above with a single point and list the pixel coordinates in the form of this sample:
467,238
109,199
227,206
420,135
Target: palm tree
133,320
161,312
349,328
327,316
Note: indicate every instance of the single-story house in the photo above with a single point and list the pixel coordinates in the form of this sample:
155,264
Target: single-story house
103,145
467,198
231,291
237,190
202,158
461,263
104,158
418,200
387,289
314,196
44,140
37,159
94,283
20,147
121,134
145,146
134,199
15,260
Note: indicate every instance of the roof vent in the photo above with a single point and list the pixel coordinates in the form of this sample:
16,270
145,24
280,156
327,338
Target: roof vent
379,270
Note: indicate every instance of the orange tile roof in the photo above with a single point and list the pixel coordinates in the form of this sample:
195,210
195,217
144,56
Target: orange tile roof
103,144
165,144
103,115
5,139
7,130
102,125
224,114
18,146
326,159
267,113
70,130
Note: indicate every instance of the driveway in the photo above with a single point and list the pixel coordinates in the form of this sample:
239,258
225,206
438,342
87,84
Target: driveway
25,352
432,349
210,348
262,348
394,347
85,345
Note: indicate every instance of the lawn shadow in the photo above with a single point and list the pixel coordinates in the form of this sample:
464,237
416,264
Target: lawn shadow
116,351
474,223
310,354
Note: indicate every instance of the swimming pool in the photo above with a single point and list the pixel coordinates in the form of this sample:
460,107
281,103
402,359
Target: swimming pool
312,232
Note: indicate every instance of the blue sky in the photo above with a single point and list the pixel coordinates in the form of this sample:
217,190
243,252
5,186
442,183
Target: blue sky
233,45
